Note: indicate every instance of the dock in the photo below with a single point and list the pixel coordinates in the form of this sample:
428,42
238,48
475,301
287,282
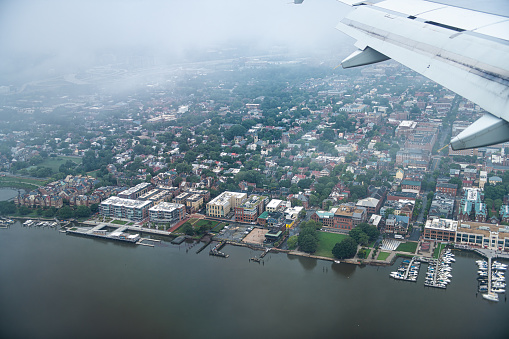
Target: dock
439,270
216,250
408,270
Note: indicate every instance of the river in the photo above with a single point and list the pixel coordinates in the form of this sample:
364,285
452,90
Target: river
7,193
54,285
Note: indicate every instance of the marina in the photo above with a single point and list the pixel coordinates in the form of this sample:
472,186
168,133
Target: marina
5,223
408,270
491,278
439,273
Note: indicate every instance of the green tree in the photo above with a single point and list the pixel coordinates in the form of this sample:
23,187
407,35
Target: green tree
308,243
65,212
292,242
7,207
82,212
347,248
23,210
187,228
94,208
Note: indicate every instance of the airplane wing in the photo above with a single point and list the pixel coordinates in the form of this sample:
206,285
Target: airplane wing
464,50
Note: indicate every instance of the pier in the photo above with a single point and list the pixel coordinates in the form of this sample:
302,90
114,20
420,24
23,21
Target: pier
438,274
408,270
216,250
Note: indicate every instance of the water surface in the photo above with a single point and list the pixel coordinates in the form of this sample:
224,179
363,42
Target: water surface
54,285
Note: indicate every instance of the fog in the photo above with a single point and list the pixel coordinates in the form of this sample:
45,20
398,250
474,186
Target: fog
66,35
50,37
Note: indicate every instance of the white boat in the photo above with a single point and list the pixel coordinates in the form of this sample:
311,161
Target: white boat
490,296
497,290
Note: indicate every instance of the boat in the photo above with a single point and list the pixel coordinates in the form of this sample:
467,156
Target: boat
497,290
490,296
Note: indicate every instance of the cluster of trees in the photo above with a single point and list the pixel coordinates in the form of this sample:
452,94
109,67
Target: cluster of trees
308,236
188,229
363,234
93,161
66,212
496,192
7,207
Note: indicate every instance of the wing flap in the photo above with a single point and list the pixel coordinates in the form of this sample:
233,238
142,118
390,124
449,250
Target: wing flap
488,130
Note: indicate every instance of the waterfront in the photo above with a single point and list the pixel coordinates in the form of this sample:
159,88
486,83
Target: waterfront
56,286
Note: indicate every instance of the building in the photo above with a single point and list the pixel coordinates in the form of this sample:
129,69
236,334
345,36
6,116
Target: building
481,235
397,224
413,157
371,205
442,206
401,196
326,218
451,189
115,207
156,195
271,219
194,203
440,229
167,212
398,207
347,216
471,206
411,186
277,205
136,191
221,205
250,209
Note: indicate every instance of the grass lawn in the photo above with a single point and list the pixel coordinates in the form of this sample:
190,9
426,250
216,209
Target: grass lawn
409,247
383,255
192,221
203,222
326,242
119,222
438,249
219,227
54,163
24,183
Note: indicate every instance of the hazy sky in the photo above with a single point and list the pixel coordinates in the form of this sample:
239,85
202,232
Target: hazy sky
67,33
76,30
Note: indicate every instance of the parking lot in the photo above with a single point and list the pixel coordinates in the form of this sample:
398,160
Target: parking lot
256,236
234,232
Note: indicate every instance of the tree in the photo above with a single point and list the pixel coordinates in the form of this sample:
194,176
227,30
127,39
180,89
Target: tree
7,207
328,134
187,228
291,243
65,212
23,210
94,208
308,243
347,248
82,212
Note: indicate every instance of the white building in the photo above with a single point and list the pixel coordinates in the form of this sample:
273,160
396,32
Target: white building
221,205
167,212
